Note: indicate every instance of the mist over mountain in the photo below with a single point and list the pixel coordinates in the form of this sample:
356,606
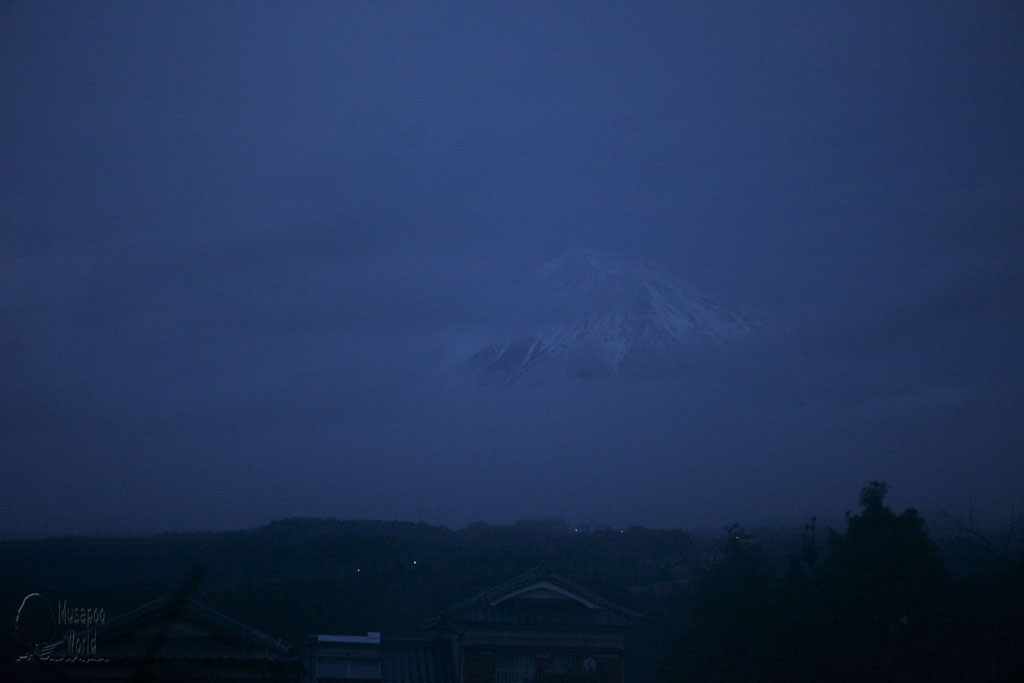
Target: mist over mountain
287,262
589,313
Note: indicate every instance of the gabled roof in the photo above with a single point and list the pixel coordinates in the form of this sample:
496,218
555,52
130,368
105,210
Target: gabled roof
557,602
176,627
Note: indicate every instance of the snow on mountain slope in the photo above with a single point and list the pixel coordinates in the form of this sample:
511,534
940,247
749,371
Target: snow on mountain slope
592,313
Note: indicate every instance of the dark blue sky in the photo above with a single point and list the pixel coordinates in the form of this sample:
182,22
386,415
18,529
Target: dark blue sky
239,241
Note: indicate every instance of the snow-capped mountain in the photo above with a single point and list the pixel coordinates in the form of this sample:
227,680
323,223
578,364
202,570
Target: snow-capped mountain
591,313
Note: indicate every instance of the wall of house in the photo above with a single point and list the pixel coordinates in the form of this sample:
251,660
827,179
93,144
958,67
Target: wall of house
609,671
478,667
481,666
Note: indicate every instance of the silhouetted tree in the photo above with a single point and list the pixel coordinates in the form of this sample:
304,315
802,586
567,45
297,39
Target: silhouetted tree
809,544
883,583
871,608
729,632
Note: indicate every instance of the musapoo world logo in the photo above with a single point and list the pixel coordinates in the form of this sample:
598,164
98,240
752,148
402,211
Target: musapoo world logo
37,623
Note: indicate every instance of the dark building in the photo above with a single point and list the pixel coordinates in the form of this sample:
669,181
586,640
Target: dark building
355,659
417,660
534,627
173,638
372,659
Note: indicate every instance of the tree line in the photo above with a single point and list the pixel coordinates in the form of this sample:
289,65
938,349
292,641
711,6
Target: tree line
874,602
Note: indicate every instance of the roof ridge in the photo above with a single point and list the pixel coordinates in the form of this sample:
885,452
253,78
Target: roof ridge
525,579
165,604
250,633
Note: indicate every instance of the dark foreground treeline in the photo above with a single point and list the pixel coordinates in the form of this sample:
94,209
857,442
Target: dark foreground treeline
878,600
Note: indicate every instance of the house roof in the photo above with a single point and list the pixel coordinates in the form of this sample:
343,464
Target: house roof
561,603
176,627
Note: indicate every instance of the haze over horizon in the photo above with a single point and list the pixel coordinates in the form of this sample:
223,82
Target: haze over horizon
244,247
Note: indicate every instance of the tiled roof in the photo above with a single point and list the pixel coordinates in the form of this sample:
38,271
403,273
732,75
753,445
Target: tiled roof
479,608
416,660
230,639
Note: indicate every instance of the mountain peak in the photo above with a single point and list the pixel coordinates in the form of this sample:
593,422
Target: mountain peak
583,264
596,313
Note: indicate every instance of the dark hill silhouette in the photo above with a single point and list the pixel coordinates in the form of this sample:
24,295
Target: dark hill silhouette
764,600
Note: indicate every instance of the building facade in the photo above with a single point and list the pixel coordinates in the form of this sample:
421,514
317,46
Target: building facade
536,627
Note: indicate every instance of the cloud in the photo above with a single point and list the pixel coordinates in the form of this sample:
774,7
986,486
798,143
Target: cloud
244,241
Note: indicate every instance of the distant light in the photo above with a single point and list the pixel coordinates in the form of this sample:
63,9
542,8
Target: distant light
575,529
414,561
359,570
